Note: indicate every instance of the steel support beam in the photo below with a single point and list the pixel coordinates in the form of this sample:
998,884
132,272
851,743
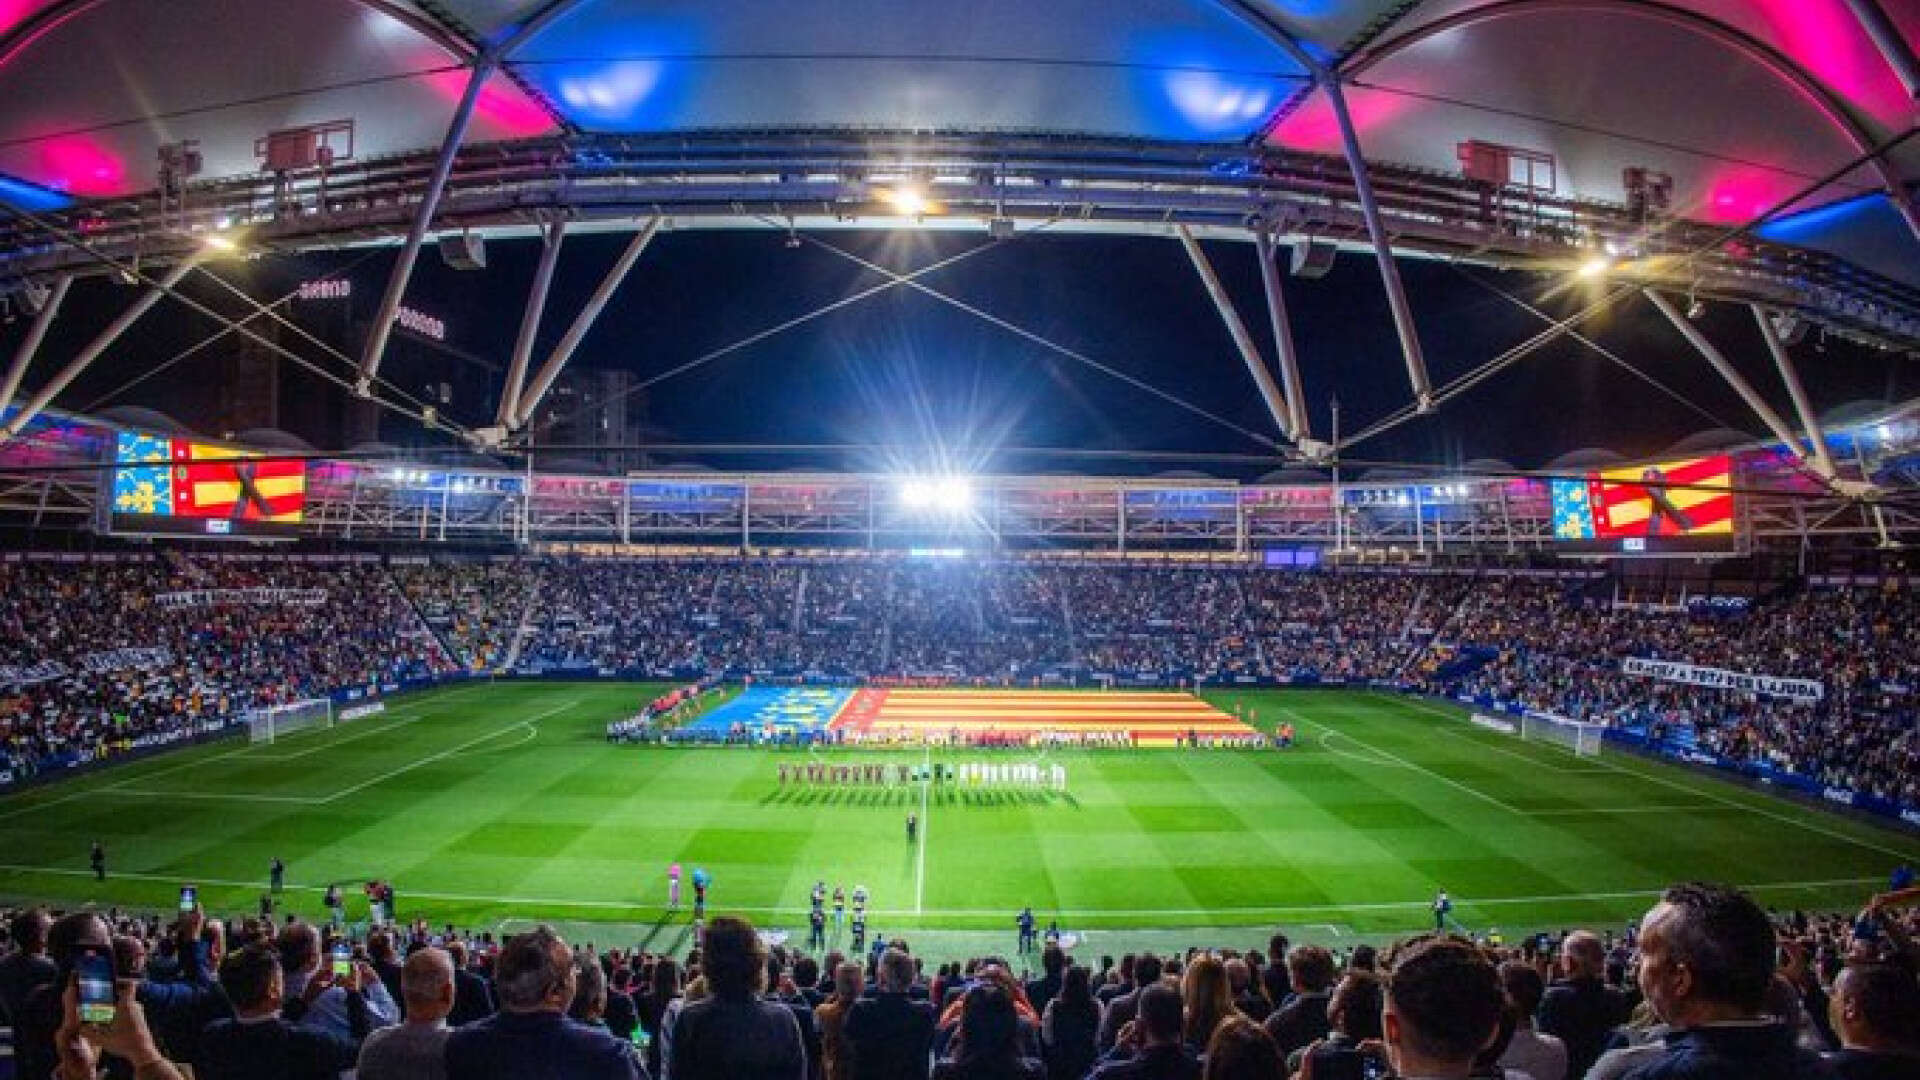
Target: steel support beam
583,322
1727,372
1278,406
1282,327
37,333
99,345
382,327
1887,38
509,413
1809,421
1382,248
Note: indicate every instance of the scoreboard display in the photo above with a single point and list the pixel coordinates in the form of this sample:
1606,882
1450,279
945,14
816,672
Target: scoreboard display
186,487
1675,507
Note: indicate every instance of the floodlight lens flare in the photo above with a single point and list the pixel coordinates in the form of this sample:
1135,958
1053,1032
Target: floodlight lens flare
908,200
1595,267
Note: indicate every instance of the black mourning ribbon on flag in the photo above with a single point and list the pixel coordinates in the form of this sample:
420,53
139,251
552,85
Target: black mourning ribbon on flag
249,493
1662,506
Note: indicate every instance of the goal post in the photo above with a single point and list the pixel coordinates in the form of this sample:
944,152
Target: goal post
273,722
1578,736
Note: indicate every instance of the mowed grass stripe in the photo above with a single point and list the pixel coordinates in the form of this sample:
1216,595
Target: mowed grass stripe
504,823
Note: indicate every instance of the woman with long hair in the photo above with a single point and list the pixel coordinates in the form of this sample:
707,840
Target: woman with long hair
987,1046
1069,1027
1209,1000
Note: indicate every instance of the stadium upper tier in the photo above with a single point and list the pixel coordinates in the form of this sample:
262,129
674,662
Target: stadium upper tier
1478,118
105,655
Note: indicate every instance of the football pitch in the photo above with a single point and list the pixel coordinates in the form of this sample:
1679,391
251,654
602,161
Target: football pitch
490,803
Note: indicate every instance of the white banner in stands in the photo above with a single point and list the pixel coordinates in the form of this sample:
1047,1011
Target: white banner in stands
122,659
1722,679
30,674
210,597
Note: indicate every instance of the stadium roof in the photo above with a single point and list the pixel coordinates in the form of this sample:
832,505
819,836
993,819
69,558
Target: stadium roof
1742,102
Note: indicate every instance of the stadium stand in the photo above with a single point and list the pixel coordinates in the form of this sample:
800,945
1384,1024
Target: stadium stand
196,662
1706,985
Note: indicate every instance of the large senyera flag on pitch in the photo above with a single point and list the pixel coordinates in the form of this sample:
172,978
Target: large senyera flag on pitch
200,480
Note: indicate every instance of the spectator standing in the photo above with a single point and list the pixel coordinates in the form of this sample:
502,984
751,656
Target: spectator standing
1146,973
662,990
300,963
1242,1050
1706,964
1209,1001
890,1033
733,1034
472,997
1542,1057
1580,1009
27,966
1443,1007
260,1042
1150,1046
1303,1019
531,1038
1876,1012
1070,1027
415,1050
830,1017
1053,965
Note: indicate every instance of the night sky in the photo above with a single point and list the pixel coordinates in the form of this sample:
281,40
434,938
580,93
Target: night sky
905,370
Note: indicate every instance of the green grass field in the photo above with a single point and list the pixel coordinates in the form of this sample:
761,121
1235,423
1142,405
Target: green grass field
495,802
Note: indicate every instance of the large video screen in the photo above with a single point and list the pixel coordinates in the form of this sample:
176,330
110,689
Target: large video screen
1676,506
190,488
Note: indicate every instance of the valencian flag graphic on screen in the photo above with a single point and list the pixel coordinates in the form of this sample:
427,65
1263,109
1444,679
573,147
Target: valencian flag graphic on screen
1672,506
172,485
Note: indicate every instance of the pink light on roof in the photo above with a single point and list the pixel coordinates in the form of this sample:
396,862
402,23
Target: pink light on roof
15,12
1824,37
1735,194
79,165
506,108
1313,127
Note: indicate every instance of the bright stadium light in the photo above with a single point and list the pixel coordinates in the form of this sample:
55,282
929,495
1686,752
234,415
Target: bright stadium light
1595,267
942,494
908,200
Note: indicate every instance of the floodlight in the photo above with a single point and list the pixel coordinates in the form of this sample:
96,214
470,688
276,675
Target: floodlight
916,494
1595,267
943,494
953,494
220,243
907,199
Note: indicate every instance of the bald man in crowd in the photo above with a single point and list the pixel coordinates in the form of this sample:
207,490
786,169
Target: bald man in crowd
1580,1009
416,1049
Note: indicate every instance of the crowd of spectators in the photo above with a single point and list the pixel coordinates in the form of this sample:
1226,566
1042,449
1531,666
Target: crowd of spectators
102,657
91,663
1707,986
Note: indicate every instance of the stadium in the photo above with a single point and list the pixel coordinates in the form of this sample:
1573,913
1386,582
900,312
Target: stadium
1229,538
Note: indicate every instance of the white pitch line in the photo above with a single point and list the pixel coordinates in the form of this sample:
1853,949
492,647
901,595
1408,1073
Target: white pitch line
920,860
431,758
1391,756
214,796
1576,811
1737,804
1298,909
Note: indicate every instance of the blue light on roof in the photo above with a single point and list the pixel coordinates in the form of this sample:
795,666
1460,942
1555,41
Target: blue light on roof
32,198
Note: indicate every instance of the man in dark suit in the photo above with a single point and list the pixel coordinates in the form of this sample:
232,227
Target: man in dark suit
1303,1018
1146,972
1579,1009
472,999
386,964
531,1037
28,965
259,1043
890,1034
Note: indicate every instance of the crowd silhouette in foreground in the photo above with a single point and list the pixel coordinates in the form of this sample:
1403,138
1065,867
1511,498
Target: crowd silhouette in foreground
1705,986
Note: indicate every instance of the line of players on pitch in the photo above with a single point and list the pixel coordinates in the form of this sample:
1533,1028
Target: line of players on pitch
817,918
966,775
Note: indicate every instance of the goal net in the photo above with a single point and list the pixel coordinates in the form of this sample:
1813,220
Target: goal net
1580,737
266,725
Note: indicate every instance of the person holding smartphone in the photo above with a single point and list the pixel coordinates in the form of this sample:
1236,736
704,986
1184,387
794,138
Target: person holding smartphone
119,1028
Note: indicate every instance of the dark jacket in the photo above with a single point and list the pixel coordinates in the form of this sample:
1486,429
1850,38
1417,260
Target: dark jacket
1154,1063
472,999
1120,1010
19,974
272,1049
1041,990
1018,1069
891,1036
1733,1052
622,1016
1581,1013
538,1046
1866,1065
727,1038
1299,1022
1069,1036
